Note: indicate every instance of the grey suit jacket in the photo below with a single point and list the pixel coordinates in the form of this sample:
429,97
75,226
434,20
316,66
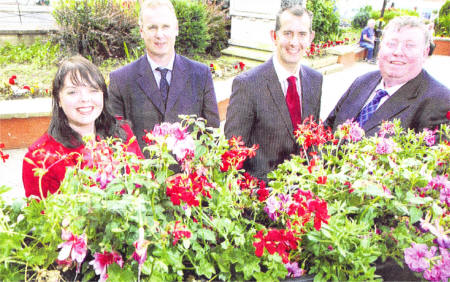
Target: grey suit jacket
421,103
258,112
135,96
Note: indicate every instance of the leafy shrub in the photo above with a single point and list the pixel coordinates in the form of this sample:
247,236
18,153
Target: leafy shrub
219,25
389,14
326,20
193,37
40,53
361,18
442,23
95,28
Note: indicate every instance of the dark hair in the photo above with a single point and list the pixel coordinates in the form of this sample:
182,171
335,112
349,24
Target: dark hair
80,71
296,10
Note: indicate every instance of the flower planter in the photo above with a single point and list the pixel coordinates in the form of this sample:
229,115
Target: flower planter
23,121
391,271
442,46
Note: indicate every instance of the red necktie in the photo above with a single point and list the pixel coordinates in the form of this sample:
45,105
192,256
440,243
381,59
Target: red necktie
293,102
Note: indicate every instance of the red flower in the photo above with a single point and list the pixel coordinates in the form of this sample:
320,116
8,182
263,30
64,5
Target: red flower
12,80
262,194
179,231
448,115
349,185
279,241
101,262
235,157
27,87
321,180
241,65
247,181
310,133
186,189
320,210
3,156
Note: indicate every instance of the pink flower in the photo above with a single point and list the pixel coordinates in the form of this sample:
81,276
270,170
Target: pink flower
178,140
74,247
385,146
140,254
387,128
101,262
429,137
351,130
293,269
417,257
272,207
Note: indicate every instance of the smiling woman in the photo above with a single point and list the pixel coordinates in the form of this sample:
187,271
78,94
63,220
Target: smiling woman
79,95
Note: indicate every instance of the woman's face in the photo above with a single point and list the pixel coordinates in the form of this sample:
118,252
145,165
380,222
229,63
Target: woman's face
82,104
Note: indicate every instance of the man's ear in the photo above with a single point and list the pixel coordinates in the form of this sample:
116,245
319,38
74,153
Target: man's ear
312,37
273,35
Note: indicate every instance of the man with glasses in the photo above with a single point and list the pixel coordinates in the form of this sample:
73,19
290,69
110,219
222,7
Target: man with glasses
400,89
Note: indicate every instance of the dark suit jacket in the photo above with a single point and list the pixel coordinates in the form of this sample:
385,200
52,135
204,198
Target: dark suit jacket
134,95
258,112
421,103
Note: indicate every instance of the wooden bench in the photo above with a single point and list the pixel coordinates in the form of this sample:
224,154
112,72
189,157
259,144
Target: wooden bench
348,54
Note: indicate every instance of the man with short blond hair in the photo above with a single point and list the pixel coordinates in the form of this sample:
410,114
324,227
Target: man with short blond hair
161,85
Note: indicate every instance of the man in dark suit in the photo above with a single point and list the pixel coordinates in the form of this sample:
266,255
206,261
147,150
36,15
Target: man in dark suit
162,84
269,101
401,89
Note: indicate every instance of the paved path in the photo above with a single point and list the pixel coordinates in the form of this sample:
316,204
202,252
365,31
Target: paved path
25,16
334,86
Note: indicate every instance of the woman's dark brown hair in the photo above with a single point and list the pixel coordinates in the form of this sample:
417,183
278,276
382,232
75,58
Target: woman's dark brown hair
81,72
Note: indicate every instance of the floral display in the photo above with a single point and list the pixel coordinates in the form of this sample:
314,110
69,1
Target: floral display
319,49
341,206
224,70
14,89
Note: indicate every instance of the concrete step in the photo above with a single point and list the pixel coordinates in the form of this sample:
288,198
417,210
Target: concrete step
248,53
331,69
262,56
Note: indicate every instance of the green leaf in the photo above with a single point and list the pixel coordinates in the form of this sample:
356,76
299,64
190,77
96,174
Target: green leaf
205,268
412,199
415,214
437,210
207,234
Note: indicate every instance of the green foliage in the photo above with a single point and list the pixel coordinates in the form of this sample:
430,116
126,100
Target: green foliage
376,199
219,25
95,28
41,53
326,19
389,14
361,17
442,23
193,37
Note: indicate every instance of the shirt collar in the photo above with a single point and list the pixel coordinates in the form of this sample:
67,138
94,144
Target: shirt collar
282,73
390,90
154,65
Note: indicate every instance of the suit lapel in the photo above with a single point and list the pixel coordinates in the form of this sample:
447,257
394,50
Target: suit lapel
396,104
178,83
278,97
147,83
306,93
360,98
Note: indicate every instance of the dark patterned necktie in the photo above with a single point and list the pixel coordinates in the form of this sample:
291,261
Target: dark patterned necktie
293,102
163,84
371,107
